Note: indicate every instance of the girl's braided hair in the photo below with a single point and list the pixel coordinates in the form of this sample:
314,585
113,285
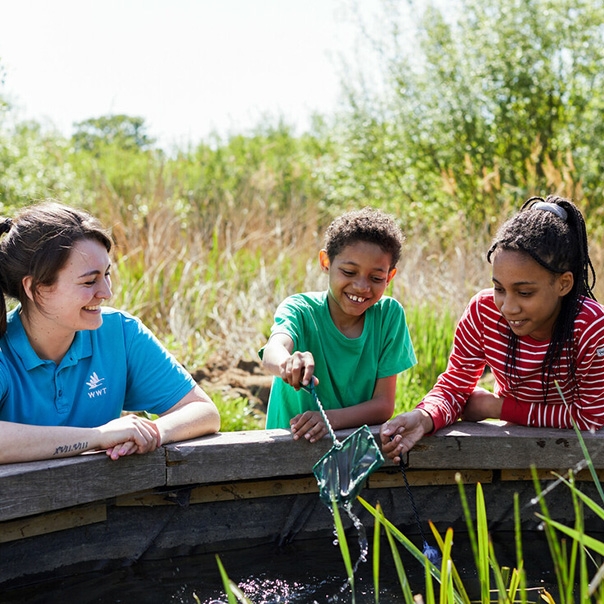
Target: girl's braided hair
552,232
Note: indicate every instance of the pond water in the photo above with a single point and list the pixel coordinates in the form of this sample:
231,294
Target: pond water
306,571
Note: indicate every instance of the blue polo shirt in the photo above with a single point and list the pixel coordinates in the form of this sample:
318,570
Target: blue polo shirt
119,366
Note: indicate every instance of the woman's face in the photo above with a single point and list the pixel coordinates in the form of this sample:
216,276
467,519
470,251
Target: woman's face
73,302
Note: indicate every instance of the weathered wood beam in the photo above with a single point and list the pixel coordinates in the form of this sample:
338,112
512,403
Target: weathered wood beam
33,488
495,445
43,486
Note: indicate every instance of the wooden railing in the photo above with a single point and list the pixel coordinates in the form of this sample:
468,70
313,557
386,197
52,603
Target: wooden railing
36,487
56,498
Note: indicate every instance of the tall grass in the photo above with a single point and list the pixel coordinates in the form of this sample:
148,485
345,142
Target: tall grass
210,241
211,298
210,294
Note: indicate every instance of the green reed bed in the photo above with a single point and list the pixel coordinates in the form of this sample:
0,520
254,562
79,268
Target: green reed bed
577,556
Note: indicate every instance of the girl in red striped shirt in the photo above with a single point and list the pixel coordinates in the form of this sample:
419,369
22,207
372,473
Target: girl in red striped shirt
539,326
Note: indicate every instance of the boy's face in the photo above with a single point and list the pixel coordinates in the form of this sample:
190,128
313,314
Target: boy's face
358,277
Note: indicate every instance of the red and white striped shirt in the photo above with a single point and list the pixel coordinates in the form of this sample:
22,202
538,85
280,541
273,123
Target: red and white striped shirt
481,338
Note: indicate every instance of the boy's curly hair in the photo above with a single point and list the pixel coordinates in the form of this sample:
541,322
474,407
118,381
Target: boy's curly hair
370,225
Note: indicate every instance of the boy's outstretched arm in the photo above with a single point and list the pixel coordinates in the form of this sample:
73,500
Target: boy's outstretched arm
378,409
294,368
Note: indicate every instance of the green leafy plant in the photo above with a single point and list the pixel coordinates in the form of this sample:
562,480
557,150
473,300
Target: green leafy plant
343,544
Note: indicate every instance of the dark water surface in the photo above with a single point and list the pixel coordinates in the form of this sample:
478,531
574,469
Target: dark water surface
310,571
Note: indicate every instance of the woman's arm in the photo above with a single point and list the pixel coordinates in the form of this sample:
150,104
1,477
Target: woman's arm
194,415
122,436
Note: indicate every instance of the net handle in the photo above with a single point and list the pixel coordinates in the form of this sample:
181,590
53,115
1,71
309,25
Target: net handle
312,391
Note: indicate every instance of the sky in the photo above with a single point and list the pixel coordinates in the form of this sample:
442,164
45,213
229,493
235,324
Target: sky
189,67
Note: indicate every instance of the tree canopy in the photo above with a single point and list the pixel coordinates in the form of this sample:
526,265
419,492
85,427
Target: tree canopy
493,100
124,131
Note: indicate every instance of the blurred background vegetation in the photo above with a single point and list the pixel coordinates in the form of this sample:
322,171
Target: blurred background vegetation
456,118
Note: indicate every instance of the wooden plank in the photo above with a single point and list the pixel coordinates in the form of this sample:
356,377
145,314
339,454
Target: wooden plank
292,486
258,485
462,446
32,488
582,475
496,445
224,492
382,479
250,455
32,526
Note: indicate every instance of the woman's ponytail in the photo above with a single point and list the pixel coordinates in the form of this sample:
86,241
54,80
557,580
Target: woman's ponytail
5,227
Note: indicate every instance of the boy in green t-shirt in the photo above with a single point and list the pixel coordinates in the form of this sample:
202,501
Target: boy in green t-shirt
351,339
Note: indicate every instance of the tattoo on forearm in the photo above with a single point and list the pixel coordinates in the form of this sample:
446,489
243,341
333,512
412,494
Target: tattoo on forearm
81,446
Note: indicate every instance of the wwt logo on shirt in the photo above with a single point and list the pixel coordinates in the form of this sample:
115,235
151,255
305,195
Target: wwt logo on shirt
94,384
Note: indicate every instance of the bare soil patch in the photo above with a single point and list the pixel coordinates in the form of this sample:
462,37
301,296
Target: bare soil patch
245,380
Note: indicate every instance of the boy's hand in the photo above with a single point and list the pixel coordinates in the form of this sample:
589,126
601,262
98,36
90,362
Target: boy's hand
297,369
310,425
401,433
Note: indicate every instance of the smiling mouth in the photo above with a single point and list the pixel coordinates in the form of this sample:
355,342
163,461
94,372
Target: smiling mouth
356,299
517,323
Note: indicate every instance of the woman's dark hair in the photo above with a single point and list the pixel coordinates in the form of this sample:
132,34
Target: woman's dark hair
369,225
37,243
552,232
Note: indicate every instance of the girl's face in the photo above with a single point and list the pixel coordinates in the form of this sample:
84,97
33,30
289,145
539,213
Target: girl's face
73,302
358,277
528,296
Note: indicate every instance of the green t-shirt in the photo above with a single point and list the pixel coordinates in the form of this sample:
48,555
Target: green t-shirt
347,368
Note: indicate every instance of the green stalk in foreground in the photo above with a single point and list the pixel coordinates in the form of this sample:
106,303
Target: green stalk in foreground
343,546
376,556
234,594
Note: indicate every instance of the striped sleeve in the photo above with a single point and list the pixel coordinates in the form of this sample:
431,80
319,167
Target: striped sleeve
445,402
585,408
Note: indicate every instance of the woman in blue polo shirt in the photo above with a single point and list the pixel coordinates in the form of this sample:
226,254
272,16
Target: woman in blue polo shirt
68,366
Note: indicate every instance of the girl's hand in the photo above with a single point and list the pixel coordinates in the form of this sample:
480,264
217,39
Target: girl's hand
401,433
310,425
